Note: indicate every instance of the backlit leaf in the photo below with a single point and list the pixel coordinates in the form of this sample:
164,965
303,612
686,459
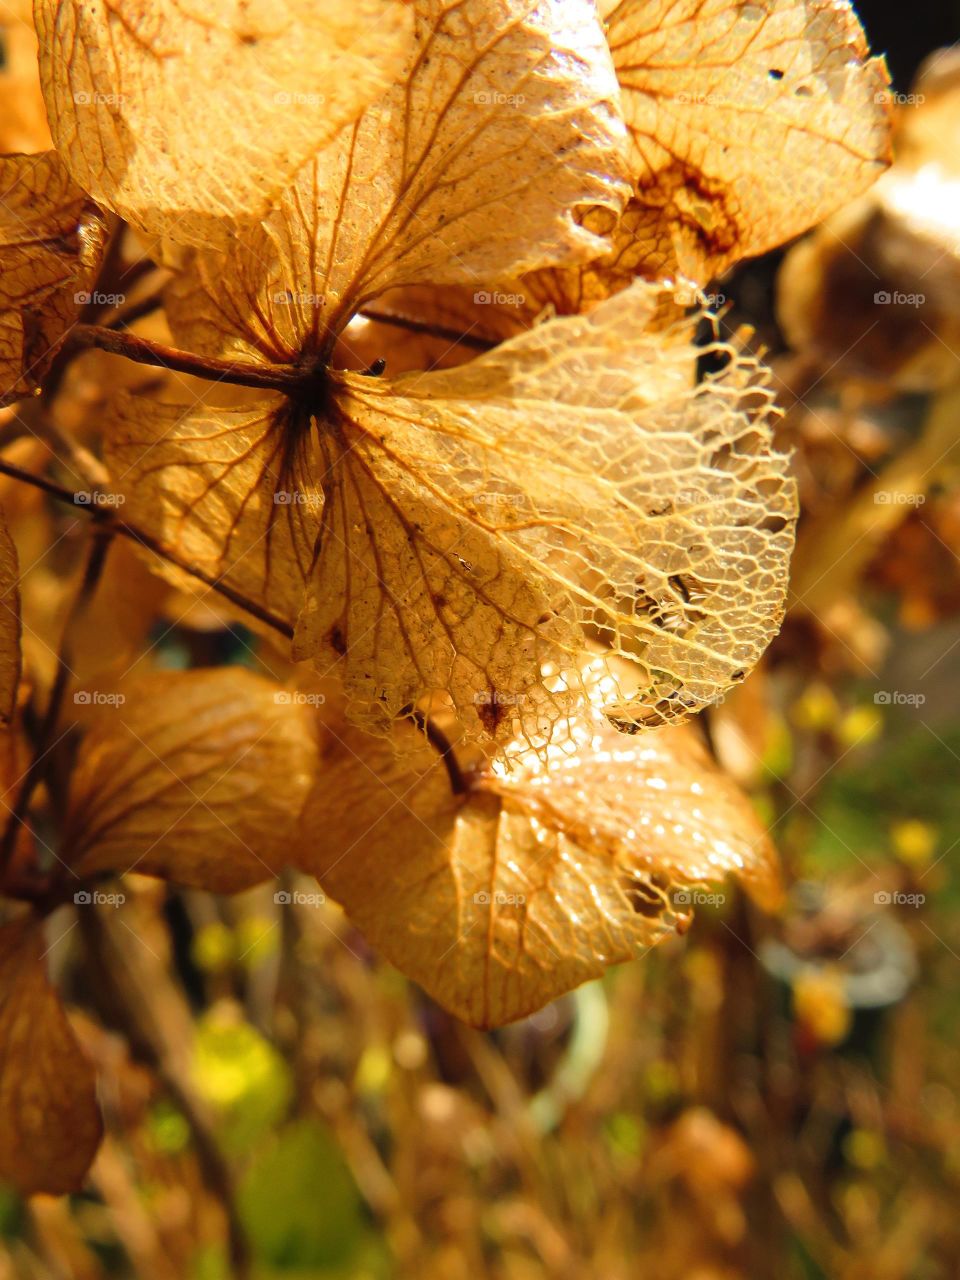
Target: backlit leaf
453,175
49,1122
479,523
537,879
176,118
749,122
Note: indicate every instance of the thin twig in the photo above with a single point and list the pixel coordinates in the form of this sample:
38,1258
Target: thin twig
442,744
431,330
109,519
102,535
239,372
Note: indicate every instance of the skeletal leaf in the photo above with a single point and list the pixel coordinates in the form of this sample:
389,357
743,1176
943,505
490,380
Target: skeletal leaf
51,242
535,880
9,625
481,522
50,1126
195,776
478,523
176,118
749,122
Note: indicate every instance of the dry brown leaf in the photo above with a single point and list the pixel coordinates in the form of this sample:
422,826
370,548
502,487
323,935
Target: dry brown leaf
481,522
749,122
462,547
9,625
176,118
489,316
51,242
236,493
195,776
452,177
50,1126
499,900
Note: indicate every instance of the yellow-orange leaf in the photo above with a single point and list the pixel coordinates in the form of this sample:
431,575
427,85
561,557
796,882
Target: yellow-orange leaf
236,492
51,242
481,522
50,1126
177,118
471,168
535,880
749,122
195,776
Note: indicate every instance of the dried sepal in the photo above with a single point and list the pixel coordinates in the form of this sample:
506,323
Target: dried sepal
51,243
178,120
749,123
452,177
483,523
50,1125
535,879
194,776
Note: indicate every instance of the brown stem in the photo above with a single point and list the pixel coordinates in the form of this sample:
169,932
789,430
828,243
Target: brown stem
102,536
136,311
442,744
241,373
108,519
431,330
133,988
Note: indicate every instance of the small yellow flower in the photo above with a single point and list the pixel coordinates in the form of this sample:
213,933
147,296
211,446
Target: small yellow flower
914,842
819,1002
